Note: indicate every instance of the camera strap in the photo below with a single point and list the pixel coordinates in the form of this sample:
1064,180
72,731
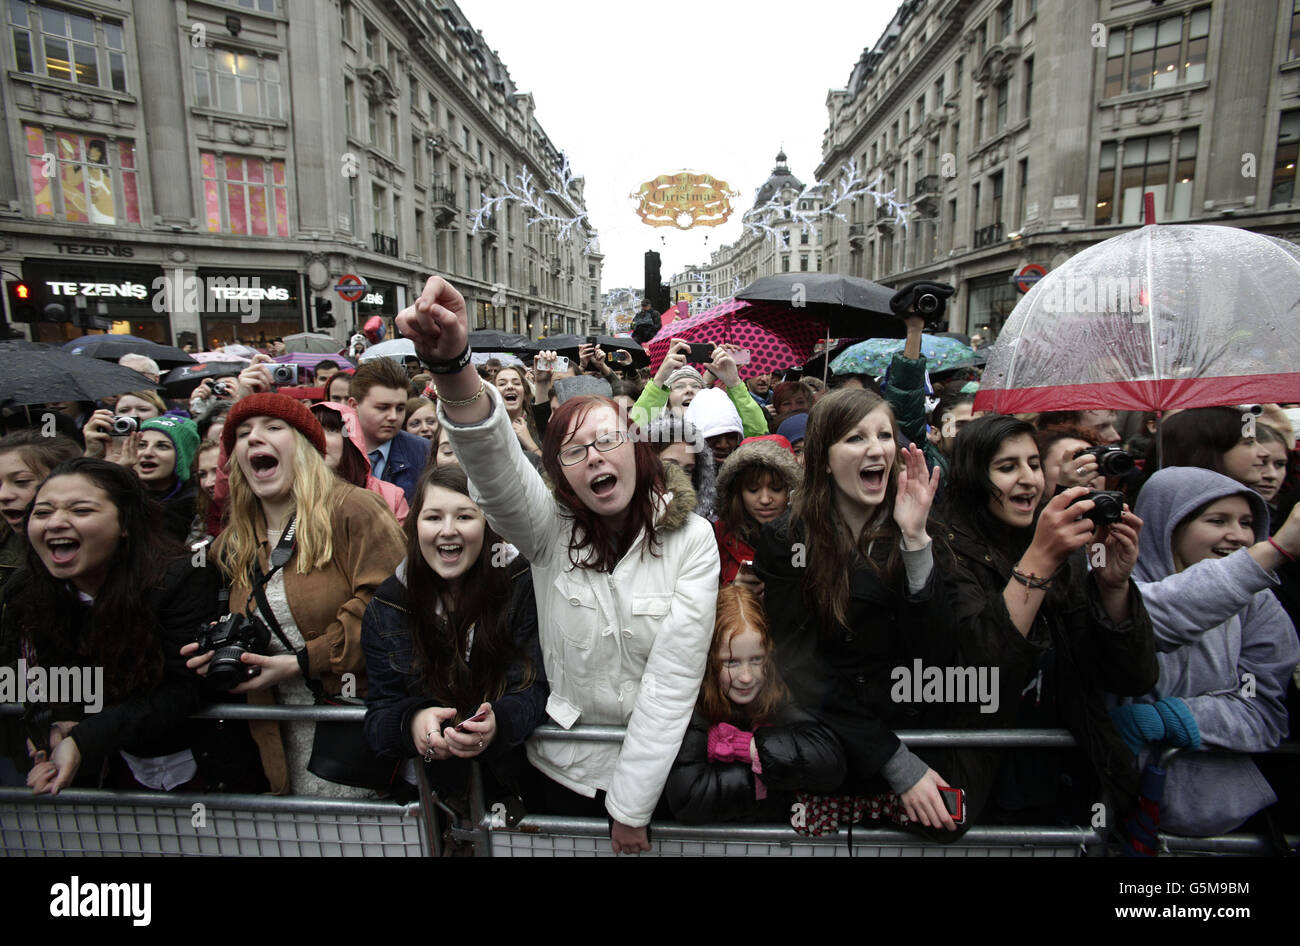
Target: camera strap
280,556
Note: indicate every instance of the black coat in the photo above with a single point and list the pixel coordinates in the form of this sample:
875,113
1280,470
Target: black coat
1080,649
842,675
396,693
796,753
150,722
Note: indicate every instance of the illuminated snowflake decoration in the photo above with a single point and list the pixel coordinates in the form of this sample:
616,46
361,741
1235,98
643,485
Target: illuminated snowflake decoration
850,186
524,191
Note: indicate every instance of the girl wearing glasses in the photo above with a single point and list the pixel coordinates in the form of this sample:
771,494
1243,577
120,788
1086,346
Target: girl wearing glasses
625,574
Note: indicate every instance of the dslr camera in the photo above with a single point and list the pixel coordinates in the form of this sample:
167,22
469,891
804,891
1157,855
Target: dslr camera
124,426
231,638
1111,461
1109,506
285,374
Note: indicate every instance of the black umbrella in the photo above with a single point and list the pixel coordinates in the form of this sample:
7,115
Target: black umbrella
850,307
488,340
113,347
39,377
559,343
186,378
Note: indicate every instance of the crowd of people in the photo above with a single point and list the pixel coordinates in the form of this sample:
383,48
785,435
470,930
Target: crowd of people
766,581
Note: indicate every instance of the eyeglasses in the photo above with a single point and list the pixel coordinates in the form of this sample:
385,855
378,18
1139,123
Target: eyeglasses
575,453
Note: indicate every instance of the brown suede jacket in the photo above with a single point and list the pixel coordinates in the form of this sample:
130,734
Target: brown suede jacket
327,605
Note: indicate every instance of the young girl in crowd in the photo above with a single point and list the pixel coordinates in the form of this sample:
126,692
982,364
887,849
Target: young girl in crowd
1274,471
625,575
450,638
852,592
1205,570
421,418
346,455
1025,602
26,458
748,746
517,395
345,543
105,588
163,456
754,488
677,441
206,460
1222,439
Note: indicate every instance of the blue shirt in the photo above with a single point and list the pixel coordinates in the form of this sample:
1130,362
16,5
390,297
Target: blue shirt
377,466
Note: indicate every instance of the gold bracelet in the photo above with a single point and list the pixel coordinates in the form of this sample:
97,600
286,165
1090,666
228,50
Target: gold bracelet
482,387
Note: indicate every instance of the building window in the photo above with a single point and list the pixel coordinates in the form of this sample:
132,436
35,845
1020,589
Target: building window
236,82
1158,54
1029,85
350,106
372,40
1022,180
990,301
785,264
248,196
1288,144
1000,111
417,163
1004,19
82,178
979,119
393,136
803,237
996,181
378,209
1147,165
261,6
803,263
1293,49
353,211
345,21
372,123
68,46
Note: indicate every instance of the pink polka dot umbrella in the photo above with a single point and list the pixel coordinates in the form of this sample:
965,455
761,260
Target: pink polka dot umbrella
776,336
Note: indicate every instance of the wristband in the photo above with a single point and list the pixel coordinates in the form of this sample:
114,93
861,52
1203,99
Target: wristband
1281,551
451,365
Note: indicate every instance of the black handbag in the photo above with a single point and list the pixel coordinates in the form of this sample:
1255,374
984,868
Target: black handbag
339,752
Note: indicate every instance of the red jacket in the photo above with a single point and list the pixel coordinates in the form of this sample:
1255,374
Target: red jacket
732,551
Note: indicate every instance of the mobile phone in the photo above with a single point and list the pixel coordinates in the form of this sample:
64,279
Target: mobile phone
954,799
560,363
700,353
591,339
741,356
460,727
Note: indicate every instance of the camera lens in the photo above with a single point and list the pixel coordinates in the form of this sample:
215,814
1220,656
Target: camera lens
927,302
225,669
124,425
1115,463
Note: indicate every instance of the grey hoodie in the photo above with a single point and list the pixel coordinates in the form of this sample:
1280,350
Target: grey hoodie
1215,622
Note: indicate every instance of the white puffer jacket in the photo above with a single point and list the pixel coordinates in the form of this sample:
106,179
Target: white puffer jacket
622,648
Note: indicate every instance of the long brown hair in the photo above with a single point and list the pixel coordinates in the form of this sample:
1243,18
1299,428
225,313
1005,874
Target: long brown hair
480,601
744,526
592,531
738,610
829,543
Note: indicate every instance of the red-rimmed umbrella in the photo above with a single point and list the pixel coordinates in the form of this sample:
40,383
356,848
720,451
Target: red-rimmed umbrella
776,335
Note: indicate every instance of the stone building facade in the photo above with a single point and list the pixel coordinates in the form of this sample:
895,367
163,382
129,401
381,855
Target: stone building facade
271,147
1023,131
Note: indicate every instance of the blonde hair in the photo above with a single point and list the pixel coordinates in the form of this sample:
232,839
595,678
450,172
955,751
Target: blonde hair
316,492
150,396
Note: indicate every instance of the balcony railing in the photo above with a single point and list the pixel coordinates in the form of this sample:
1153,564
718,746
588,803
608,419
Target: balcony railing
987,236
383,243
927,185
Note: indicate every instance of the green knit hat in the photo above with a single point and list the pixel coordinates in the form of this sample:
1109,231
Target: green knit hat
184,435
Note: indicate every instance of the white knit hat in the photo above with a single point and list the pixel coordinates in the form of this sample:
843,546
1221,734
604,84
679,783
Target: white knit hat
712,413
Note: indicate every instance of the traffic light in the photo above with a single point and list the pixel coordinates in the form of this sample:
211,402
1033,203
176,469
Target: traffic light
22,302
324,313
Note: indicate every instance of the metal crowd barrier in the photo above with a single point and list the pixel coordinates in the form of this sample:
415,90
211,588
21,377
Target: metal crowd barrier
114,823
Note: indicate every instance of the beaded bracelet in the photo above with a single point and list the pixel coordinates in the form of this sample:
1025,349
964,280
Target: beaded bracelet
467,401
1033,581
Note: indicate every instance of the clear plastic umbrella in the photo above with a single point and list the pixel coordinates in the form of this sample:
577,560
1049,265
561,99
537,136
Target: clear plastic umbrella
396,348
1157,318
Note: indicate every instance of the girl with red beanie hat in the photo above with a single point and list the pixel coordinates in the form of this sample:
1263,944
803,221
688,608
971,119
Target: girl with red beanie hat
344,544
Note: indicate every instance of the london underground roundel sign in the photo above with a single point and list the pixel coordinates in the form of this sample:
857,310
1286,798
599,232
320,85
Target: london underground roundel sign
350,288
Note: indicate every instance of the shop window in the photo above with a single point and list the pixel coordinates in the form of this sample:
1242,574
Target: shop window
1288,143
247,196
82,178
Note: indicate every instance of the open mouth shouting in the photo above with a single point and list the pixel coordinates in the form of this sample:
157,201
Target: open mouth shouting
63,549
603,486
450,553
263,466
873,478
1023,502
14,516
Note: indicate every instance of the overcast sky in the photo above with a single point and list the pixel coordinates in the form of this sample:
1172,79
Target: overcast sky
632,91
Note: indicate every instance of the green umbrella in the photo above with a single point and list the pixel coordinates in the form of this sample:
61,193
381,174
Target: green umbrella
873,356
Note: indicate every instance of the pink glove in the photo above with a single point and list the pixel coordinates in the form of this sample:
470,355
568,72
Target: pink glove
729,744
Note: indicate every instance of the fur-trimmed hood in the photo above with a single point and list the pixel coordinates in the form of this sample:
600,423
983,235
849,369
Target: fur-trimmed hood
758,452
681,499
670,428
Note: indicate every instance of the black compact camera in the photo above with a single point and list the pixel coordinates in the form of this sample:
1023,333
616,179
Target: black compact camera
125,426
926,299
231,638
1111,461
1109,506
223,389
285,374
